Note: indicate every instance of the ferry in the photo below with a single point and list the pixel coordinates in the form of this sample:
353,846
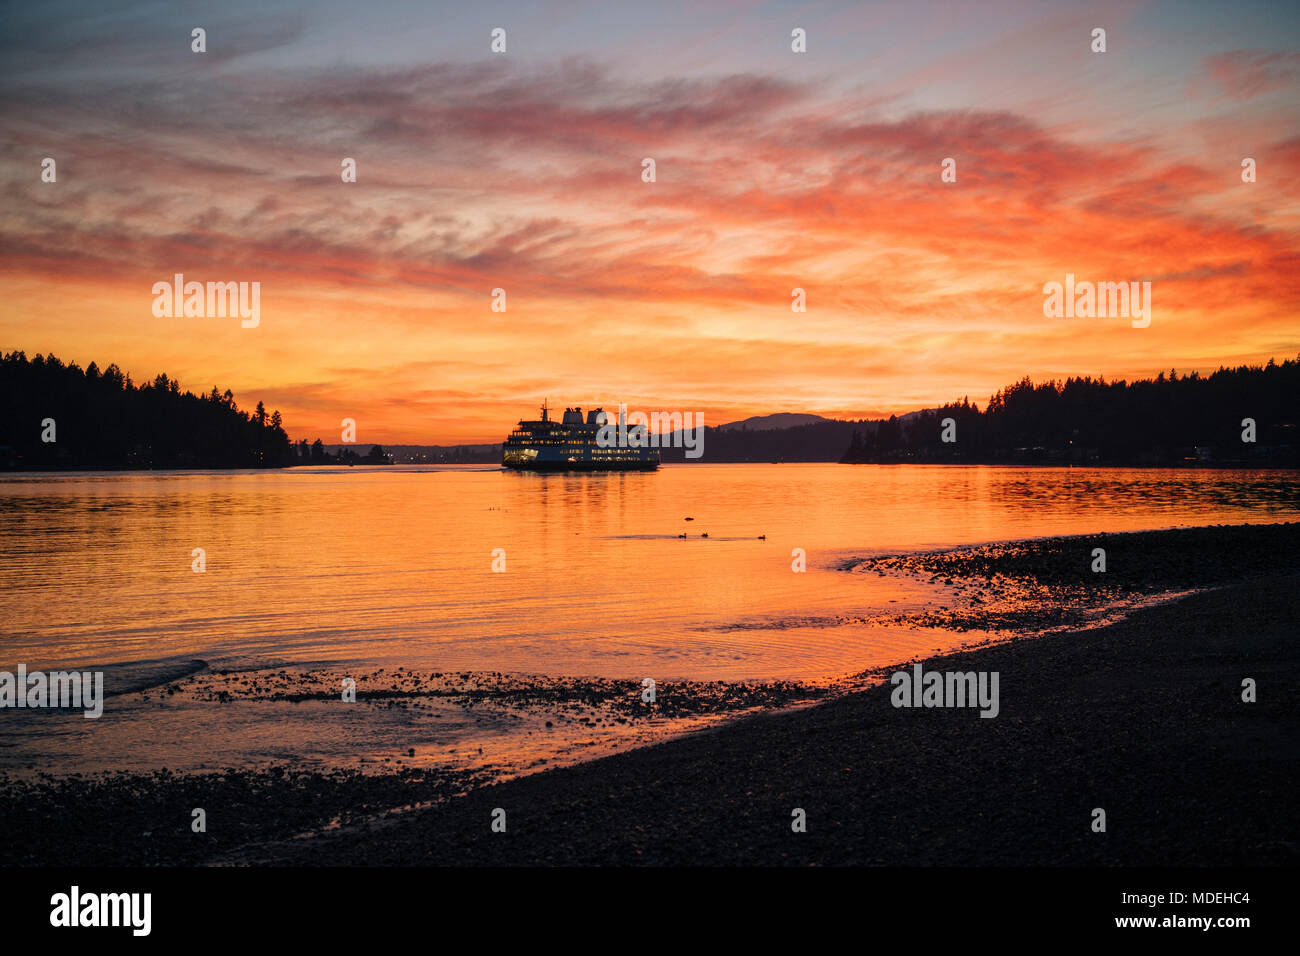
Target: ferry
571,445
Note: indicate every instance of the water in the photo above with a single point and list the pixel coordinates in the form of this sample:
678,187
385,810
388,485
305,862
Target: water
350,568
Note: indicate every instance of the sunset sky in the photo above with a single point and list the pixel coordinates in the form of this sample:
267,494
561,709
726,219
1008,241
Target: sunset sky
522,171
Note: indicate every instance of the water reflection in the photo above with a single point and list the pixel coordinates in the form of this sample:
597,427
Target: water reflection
394,564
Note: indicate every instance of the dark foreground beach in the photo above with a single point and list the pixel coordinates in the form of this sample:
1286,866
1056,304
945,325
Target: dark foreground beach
1143,719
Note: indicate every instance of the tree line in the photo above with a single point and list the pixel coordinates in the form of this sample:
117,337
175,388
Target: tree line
1247,414
317,454
63,416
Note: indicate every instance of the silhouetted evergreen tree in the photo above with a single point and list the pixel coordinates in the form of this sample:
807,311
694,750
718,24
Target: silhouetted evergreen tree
103,420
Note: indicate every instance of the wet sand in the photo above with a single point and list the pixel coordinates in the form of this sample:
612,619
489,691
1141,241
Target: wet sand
1142,718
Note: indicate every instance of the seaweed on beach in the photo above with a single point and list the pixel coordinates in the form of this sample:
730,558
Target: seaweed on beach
145,819
1051,584
591,698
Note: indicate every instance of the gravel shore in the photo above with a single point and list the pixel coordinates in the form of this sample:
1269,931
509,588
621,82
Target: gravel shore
1143,718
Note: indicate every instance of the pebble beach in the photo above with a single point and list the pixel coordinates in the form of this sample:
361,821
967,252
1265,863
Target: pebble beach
1120,690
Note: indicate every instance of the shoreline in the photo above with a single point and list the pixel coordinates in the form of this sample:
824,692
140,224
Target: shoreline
865,772
1233,465
1146,727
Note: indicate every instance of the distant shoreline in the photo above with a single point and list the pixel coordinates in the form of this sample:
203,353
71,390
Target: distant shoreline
271,469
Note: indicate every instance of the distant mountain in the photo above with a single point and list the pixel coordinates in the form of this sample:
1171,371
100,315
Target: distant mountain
760,423
820,439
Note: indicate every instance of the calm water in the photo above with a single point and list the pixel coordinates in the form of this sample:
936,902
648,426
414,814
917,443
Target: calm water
394,565
353,568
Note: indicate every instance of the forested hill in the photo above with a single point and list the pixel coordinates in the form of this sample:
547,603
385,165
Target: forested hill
823,440
1243,415
63,416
